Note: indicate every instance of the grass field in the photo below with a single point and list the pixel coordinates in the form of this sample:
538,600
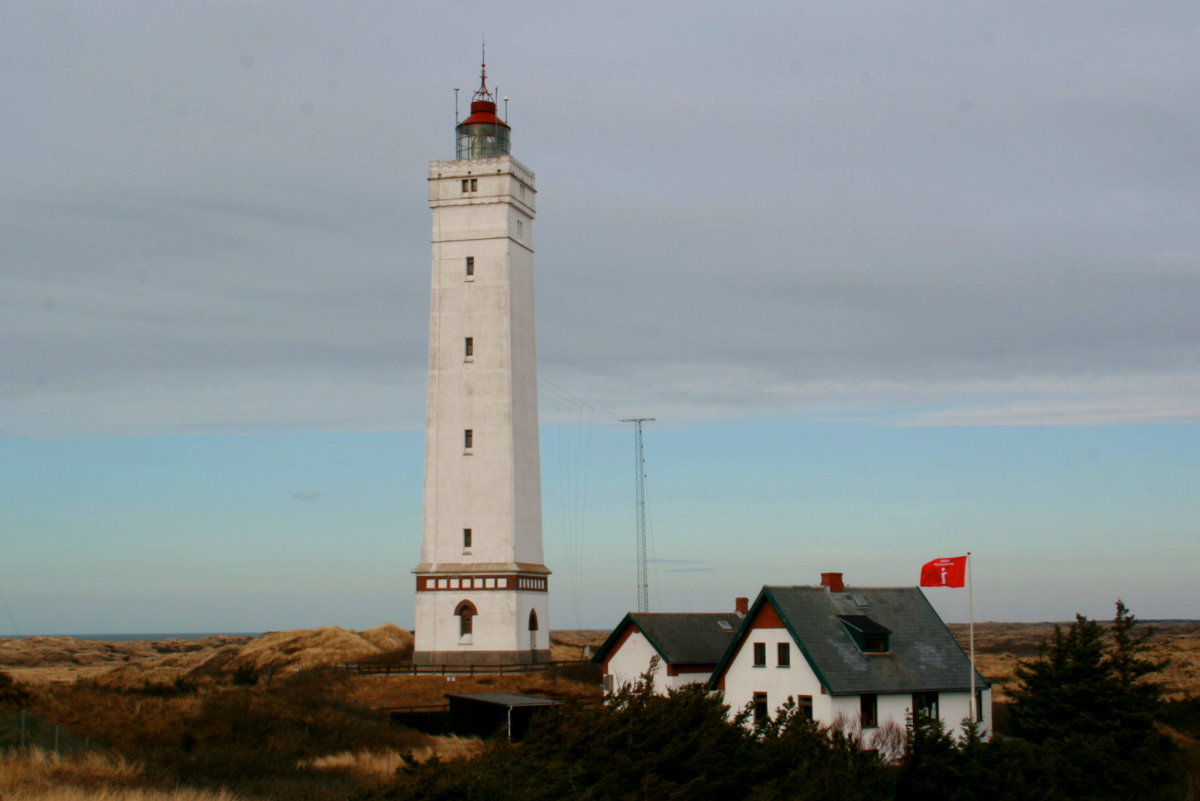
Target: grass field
270,718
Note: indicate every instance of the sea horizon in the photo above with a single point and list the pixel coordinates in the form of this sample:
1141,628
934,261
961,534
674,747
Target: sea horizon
148,636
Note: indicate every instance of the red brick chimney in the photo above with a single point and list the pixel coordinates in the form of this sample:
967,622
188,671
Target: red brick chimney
741,606
833,582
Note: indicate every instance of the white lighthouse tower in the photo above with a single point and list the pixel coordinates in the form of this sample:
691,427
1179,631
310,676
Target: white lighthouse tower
481,586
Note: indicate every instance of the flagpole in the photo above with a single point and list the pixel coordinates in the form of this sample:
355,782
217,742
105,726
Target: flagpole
971,615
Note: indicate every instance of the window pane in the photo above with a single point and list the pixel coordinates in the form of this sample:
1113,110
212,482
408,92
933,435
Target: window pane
804,706
760,707
869,709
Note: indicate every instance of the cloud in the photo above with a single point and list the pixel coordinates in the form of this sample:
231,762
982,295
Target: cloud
888,215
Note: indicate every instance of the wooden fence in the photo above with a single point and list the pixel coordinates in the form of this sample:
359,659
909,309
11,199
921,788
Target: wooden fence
386,667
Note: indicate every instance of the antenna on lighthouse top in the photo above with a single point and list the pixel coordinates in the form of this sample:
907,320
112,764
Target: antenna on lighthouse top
482,92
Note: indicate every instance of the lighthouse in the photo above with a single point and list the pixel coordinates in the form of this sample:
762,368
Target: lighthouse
482,591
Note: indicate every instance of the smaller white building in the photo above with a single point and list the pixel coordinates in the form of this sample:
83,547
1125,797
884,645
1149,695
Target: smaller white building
863,658
672,649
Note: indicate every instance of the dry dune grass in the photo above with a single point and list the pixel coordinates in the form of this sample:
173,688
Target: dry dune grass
35,765
566,646
307,648
77,794
46,651
389,638
214,658
1000,646
163,669
37,775
381,766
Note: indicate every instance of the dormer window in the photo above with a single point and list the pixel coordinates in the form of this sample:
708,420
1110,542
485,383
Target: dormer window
869,636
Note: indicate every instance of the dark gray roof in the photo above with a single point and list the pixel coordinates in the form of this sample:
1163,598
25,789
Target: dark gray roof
682,638
865,624
505,699
923,653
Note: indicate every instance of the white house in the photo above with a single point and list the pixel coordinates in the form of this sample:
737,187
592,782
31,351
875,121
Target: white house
865,658
674,649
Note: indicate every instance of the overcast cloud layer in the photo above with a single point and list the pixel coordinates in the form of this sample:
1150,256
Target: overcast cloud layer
213,217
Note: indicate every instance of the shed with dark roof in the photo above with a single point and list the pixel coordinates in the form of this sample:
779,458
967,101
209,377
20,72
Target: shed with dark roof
486,714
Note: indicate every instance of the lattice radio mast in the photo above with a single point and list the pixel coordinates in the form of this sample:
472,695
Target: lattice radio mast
639,465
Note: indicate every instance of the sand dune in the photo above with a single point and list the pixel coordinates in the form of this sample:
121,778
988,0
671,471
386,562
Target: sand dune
211,658
215,659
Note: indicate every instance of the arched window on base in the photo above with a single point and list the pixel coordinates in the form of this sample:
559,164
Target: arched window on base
533,623
465,612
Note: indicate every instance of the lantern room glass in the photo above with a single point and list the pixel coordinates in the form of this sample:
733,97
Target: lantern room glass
482,140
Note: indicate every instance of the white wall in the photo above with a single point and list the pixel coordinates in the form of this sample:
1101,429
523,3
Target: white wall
501,625
494,487
632,659
743,680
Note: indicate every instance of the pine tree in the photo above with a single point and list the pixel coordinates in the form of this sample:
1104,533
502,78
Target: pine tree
1066,690
1139,700
1087,681
1088,702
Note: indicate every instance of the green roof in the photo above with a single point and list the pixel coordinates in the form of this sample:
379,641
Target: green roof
923,655
681,638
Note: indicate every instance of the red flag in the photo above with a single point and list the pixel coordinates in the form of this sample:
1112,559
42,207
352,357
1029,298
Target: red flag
948,572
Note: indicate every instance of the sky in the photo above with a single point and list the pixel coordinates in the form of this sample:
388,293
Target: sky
896,282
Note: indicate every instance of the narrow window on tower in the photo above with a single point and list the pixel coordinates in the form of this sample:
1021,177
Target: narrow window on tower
470,267
466,540
466,185
468,439
520,229
474,184
466,619
469,349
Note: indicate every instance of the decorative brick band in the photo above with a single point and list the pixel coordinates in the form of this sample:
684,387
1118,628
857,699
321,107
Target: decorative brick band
458,583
